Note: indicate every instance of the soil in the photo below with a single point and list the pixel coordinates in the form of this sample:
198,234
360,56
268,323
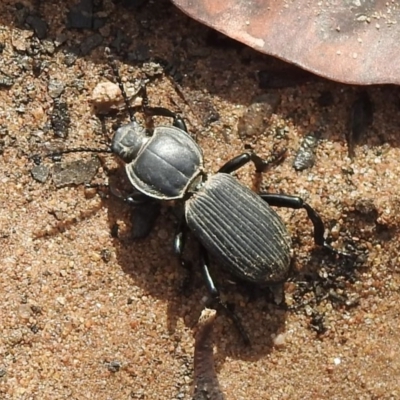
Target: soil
88,312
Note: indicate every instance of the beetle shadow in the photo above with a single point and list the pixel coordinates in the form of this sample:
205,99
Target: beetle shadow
153,266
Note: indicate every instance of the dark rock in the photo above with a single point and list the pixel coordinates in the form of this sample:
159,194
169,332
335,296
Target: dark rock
90,43
38,25
75,172
60,120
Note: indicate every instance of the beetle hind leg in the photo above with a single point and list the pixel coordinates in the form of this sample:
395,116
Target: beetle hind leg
295,202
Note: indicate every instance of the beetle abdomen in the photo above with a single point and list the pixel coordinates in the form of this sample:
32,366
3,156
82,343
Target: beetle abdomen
240,229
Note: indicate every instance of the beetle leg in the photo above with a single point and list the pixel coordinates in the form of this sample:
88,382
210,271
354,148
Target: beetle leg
179,244
134,199
216,297
241,160
178,121
143,219
179,247
284,200
144,214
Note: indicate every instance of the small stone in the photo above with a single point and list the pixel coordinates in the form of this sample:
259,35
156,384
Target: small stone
21,41
75,172
90,192
255,119
114,366
152,69
106,255
49,46
60,119
61,300
305,156
106,96
40,173
15,337
70,57
55,88
279,340
337,360
6,81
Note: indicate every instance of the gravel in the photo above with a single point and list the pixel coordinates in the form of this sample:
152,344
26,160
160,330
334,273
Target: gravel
89,313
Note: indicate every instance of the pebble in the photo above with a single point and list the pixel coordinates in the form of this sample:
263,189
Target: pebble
76,172
55,88
255,119
305,156
40,173
106,96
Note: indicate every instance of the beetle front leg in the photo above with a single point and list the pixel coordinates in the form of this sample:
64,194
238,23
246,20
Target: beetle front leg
144,214
216,297
179,247
135,198
178,122
143,218
295,202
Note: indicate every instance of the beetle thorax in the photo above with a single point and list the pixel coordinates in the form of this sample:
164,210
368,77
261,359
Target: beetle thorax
166,165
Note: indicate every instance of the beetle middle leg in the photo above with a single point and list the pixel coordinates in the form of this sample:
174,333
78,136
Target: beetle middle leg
179,245
295,202
216,299
244,158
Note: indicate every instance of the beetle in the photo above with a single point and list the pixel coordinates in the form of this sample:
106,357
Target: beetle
231,222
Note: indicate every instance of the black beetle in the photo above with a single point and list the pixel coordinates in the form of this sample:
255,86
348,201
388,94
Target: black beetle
232,223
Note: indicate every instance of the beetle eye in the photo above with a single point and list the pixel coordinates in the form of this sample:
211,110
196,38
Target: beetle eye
128,140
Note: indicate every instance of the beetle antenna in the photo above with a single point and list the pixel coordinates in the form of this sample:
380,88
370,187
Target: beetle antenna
115,70
56,155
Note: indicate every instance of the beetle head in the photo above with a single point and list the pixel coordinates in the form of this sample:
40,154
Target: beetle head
128,140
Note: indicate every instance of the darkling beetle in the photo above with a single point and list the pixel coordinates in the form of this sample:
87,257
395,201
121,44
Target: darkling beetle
231,222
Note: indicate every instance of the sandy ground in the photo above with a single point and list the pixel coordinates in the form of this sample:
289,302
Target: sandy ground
90,314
